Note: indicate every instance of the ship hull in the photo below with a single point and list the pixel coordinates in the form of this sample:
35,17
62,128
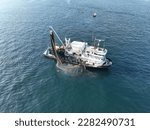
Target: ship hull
69,59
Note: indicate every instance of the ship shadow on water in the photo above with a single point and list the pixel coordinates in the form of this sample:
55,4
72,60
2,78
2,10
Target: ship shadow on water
98,69
101,73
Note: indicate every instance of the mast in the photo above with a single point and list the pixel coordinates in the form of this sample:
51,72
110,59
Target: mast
54,46
56,35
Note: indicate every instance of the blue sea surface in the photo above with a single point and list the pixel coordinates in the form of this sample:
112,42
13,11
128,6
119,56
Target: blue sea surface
31,83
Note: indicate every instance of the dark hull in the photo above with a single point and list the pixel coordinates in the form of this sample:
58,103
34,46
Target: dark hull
72,60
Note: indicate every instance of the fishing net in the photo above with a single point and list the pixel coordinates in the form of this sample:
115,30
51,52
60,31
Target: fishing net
70,68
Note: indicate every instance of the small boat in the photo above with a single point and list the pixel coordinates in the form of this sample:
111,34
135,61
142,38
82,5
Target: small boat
77,52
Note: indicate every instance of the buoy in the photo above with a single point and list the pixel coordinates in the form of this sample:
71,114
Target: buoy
94,14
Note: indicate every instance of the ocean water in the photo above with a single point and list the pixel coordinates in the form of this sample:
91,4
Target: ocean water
31,83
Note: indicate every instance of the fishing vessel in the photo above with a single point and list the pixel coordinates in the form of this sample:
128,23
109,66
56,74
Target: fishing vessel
77,52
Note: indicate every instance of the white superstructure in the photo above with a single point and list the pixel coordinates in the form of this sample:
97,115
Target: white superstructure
92,56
